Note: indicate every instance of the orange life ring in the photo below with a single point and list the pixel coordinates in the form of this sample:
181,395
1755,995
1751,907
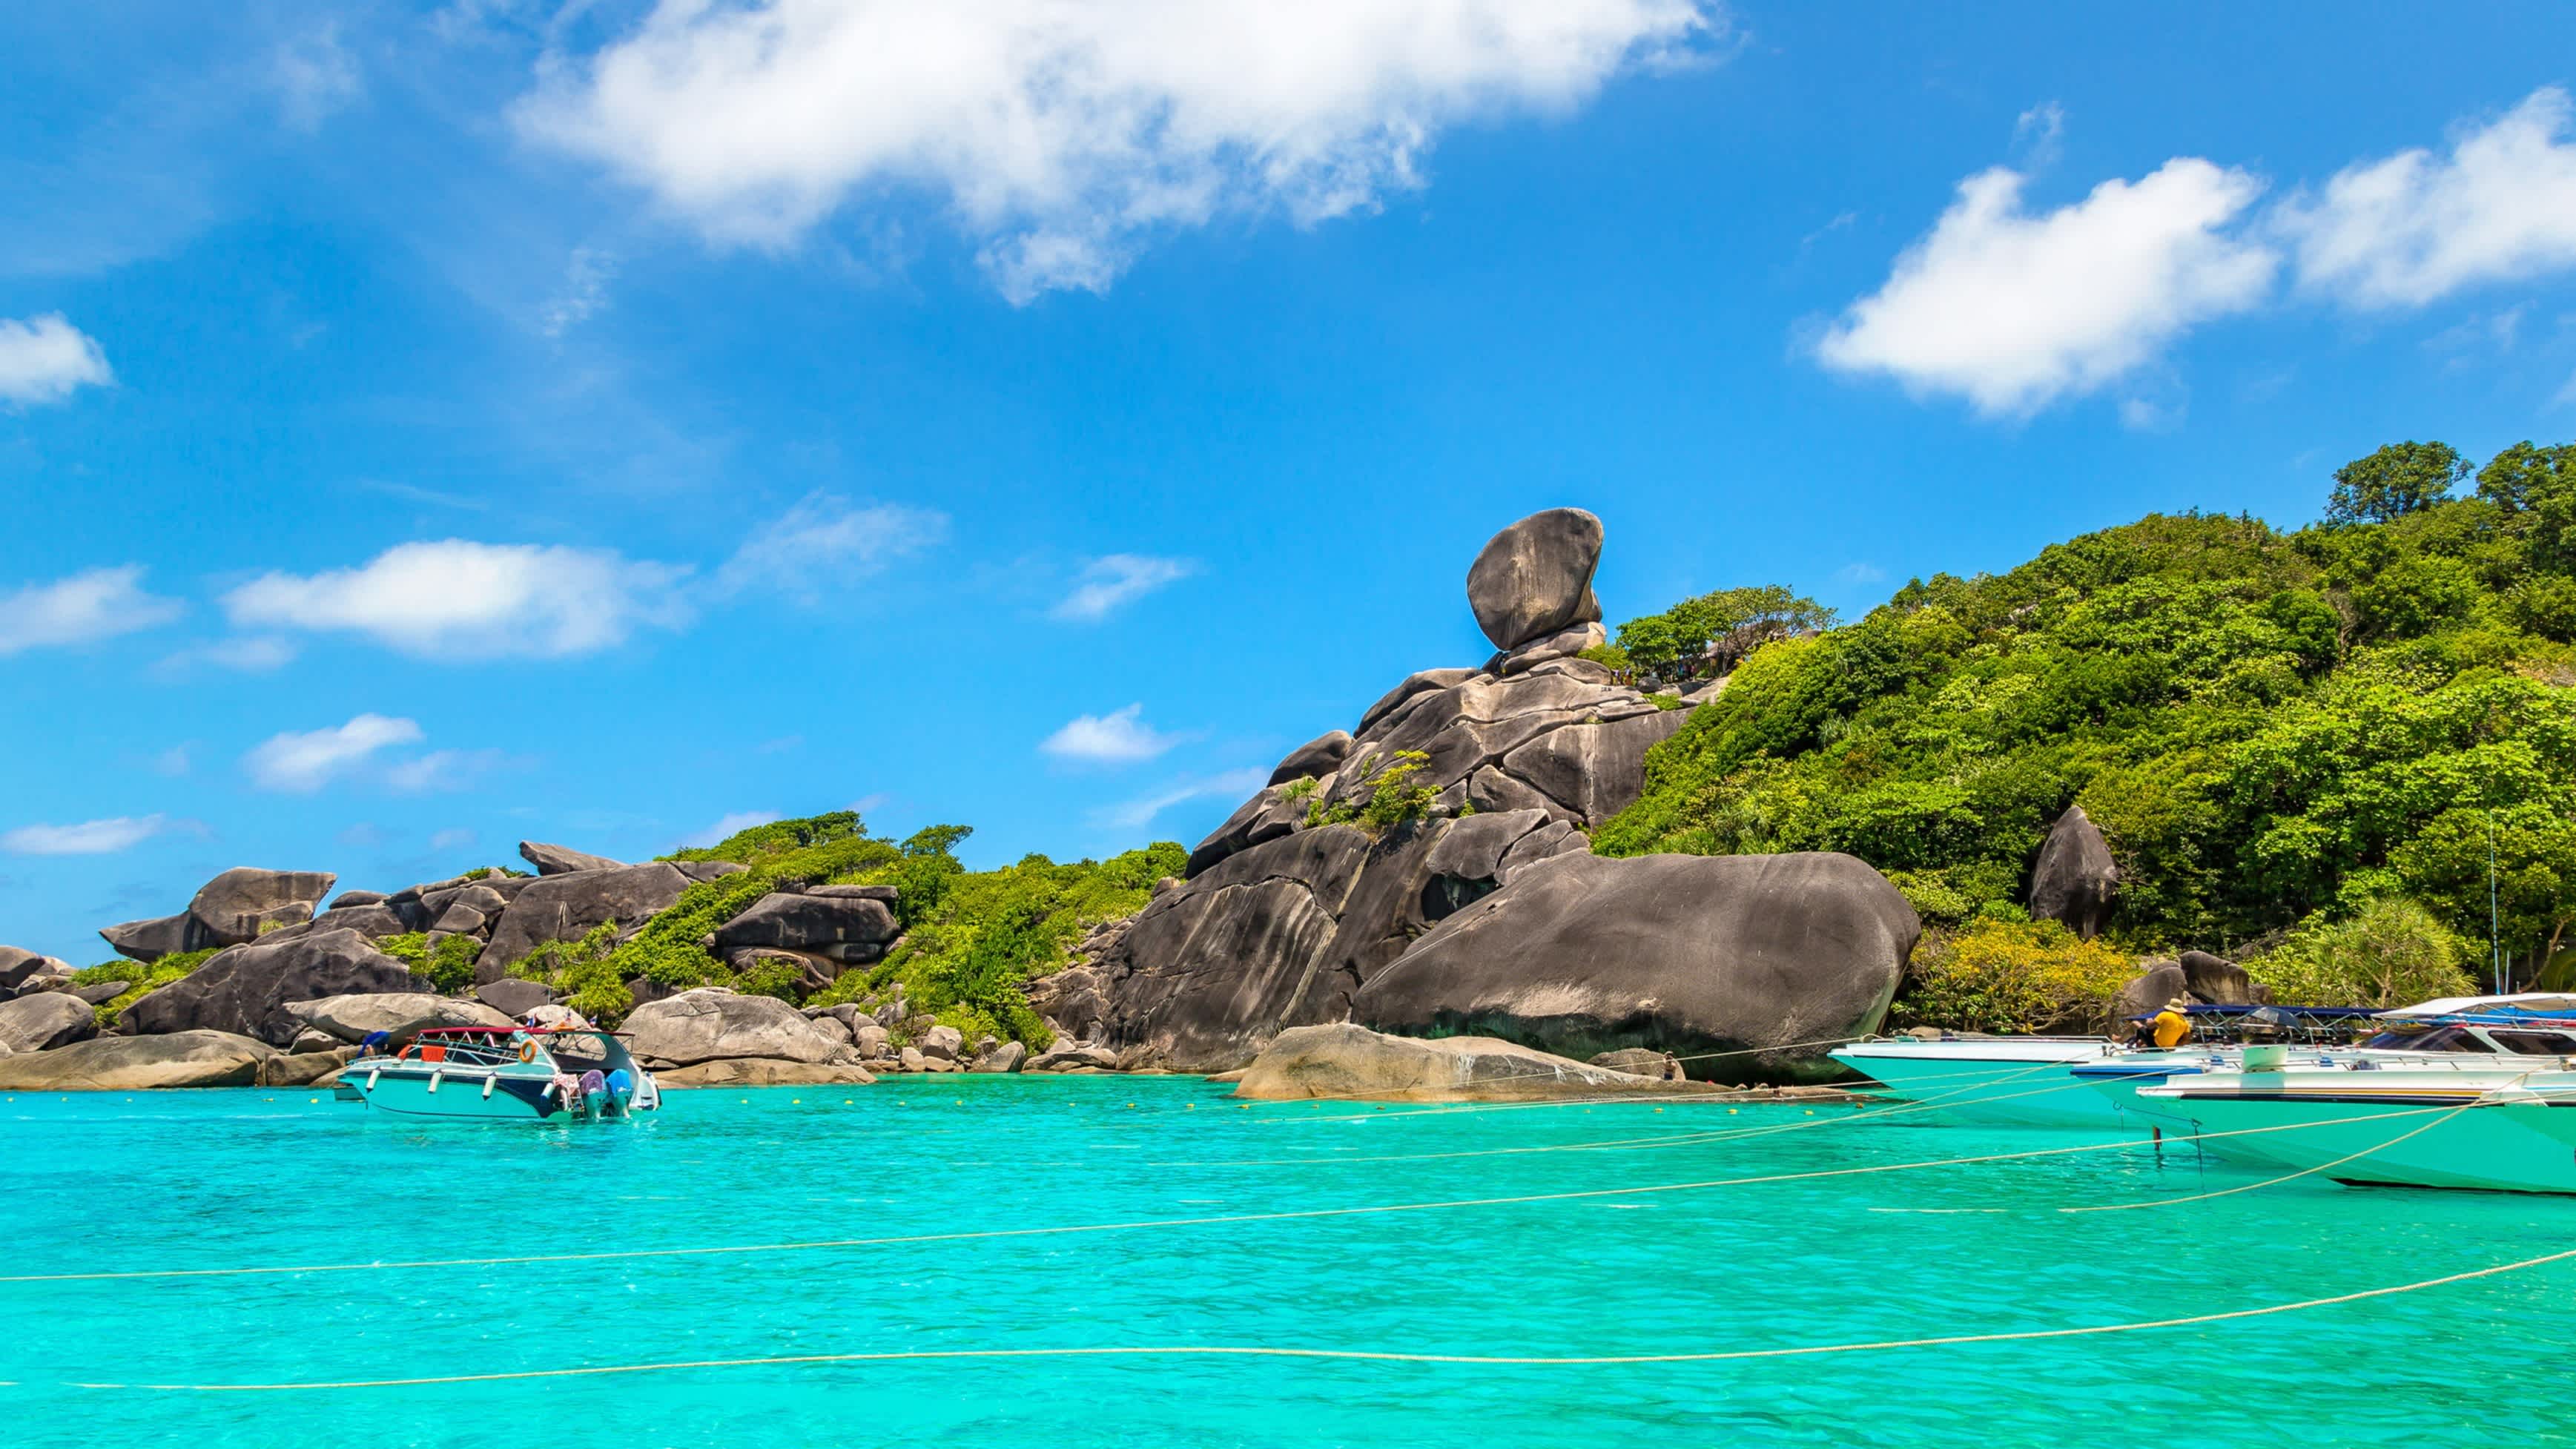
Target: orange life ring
527,1051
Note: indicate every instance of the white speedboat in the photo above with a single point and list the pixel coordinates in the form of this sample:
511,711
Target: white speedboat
2469,1122
2019,1081
500,1073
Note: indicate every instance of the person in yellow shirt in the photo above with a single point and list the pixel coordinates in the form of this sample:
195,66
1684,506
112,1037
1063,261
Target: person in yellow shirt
2172,1026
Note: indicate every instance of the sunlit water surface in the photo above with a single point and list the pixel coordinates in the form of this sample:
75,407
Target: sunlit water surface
267,1177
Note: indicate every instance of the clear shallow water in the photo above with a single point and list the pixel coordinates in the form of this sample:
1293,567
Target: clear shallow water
257,1177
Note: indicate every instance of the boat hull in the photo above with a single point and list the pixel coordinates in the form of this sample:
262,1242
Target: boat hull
2016,1083
2415,1131
471,1093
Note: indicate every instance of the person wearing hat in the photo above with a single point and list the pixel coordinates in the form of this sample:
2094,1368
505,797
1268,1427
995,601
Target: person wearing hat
2172,1026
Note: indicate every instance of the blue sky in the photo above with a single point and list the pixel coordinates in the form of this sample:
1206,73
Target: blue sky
427,427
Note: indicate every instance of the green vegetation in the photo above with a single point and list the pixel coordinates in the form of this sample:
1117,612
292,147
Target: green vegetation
983,935
2275,731
973,939
1393,797
2008,976
140,977
2388,953
449,962
1711,634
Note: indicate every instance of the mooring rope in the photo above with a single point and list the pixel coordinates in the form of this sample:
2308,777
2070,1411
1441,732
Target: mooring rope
1371,1355
1208,1220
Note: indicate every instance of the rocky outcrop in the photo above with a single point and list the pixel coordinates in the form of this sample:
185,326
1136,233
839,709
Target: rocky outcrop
567,907
237,906
2156,984
44,1021
1353,1063
245,990
372,919
398,1014
1314,759
558,860
1534,578
764,1072
149,940
1748,968
850,928
18,966
138,1063
2075,879
711,1024
513,997
2215,980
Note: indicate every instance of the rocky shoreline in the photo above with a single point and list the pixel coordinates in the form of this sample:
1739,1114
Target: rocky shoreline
1423,884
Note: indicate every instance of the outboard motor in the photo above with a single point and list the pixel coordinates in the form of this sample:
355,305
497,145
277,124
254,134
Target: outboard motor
622,1088
594,1090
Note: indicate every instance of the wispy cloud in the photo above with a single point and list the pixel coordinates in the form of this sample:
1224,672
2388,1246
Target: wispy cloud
314,76
1110,584
739,820
1140,812
458,838
585,292
457,598
90,837
45,359
441,770
825,542
98,604
243,654
1120,737
301,763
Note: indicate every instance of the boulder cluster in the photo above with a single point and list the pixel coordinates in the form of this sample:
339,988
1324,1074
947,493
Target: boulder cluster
1429,872
291,989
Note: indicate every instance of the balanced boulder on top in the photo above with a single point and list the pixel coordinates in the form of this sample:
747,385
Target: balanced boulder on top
558,860
1534,578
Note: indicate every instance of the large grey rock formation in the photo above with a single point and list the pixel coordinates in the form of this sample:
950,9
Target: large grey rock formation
1314,759
513,997
138,1063
19,965
240,905
559,860
2156,984
711,1024
1351,1062
1534,578
236,906
399,1014
843,927
567,907
1768,960
44,1021
2216,980
245,990
2075,880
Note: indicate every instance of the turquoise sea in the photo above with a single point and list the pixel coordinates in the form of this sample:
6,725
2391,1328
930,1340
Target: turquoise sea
258,1178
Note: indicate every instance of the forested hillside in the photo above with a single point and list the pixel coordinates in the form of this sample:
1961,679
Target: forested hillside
2271,728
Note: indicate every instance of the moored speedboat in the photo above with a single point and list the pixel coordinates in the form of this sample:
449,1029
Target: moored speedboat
2462,1123
2021,1081
493,1073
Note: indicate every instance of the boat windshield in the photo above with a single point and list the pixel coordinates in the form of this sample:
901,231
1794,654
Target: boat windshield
578,1051
2535,1043
2429,1039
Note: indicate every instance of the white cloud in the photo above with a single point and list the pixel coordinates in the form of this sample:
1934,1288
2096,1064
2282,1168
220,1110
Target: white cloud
2413,227
1063,134
1138,813
824,541
315,75
1860,573
460,599
2013,310
90,837
456,839
44,358
440,770
1110,583
1120,737
172,762
98,604
739,820
304,763
585,292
